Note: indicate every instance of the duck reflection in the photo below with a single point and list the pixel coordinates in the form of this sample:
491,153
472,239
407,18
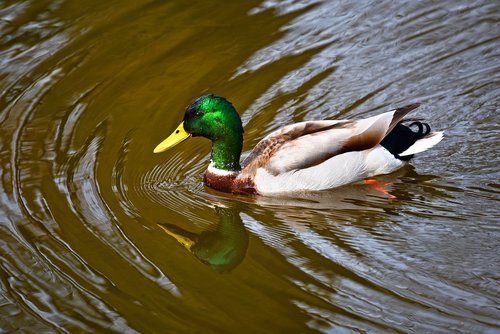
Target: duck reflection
224,246
222,249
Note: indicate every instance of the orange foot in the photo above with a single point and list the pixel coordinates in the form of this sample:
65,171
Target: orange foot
380,187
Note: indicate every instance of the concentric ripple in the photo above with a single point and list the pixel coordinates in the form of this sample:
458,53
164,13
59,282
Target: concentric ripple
98,234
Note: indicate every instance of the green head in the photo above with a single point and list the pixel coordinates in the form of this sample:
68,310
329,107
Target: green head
215,118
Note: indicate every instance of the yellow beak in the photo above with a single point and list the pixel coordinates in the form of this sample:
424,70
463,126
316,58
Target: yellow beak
185,241
175,138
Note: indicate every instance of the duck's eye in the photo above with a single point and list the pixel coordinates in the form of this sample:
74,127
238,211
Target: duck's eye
198,114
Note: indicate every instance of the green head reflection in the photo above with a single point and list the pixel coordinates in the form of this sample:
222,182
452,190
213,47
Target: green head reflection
222,249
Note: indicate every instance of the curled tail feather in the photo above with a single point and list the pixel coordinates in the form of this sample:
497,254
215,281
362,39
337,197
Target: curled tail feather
403,142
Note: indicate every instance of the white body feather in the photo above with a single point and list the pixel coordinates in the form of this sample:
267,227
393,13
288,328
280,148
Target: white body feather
339,170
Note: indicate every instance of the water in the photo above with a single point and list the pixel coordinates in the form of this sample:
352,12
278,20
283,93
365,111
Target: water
88,88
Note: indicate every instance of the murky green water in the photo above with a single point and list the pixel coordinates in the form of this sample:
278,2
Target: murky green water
88,88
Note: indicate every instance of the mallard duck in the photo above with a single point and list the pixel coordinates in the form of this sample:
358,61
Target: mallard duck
311,155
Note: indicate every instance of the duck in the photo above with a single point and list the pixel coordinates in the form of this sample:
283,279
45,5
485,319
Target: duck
305,156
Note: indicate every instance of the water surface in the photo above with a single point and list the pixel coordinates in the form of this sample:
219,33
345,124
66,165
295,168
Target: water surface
95,228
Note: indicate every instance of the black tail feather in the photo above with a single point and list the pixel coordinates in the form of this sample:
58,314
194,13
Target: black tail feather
402,137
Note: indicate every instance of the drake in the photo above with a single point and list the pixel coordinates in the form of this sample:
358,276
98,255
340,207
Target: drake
311,155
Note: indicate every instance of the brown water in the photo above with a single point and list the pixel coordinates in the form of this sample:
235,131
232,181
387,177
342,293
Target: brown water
88,88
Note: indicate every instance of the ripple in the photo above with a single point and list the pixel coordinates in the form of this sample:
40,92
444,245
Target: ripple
176,184
119,185
85,91
88,203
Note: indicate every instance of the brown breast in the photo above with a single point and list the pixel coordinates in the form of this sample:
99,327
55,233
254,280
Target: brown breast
230,183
